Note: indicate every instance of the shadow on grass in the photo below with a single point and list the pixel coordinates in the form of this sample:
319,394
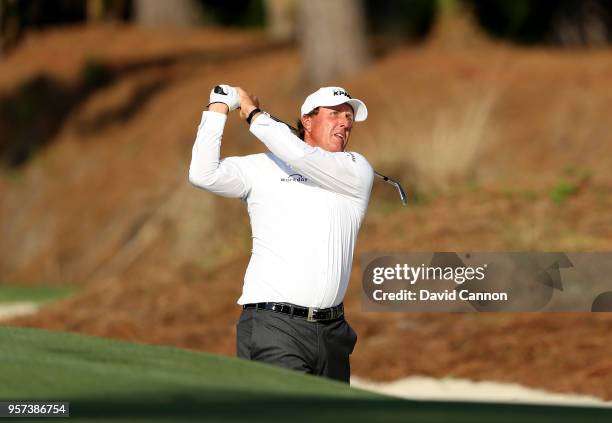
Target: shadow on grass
246,406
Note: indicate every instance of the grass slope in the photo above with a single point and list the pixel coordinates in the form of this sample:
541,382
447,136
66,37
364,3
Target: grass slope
38,294
108,380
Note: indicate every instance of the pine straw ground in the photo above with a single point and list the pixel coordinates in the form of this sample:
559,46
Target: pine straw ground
484,138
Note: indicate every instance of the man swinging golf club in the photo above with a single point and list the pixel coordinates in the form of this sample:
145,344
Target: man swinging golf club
306,200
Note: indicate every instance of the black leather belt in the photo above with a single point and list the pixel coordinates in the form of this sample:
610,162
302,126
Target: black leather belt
310,313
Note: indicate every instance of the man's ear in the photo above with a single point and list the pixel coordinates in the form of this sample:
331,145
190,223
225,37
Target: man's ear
306,122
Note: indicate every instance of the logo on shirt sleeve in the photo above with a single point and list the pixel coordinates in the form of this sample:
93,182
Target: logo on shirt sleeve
294,177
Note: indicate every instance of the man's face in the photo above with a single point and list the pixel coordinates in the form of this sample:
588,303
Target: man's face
330,128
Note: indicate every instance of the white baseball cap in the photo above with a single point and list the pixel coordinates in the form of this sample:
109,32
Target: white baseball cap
333,96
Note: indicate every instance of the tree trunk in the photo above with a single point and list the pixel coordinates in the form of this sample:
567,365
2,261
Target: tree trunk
94,10
332,38
280,16
1,28
168,13
11,28
455,26
580,24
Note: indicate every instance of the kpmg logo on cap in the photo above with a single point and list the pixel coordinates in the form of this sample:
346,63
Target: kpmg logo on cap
342,92
294,177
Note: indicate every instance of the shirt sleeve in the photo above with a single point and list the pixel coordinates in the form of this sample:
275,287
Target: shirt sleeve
347,173
223,177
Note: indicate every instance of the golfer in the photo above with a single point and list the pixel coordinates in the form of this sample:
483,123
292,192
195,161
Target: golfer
306,200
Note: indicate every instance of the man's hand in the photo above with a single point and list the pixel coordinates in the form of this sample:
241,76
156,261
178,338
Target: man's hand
226,95
248,102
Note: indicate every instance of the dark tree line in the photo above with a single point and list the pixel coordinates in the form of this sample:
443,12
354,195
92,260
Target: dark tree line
568,23
561,22
337,36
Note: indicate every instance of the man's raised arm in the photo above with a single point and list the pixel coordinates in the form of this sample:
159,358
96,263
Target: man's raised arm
206,171
343,172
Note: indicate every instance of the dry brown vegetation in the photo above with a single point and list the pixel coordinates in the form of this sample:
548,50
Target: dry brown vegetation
482,139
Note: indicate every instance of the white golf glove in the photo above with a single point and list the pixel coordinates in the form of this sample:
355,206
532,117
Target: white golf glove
225,94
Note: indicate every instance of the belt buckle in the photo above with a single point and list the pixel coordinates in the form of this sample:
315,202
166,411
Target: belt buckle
310,317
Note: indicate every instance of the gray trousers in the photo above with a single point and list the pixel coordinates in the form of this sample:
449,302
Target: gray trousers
319,348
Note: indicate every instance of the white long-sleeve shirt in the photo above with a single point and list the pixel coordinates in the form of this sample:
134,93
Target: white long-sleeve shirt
305,204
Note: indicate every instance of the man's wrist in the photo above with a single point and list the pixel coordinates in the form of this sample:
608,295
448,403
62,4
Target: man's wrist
252,114
246,110
218,107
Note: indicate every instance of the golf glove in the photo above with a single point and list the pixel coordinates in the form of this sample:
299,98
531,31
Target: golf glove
225,94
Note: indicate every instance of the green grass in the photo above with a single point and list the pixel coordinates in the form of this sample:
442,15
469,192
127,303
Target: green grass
38,294
107,380
562,191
